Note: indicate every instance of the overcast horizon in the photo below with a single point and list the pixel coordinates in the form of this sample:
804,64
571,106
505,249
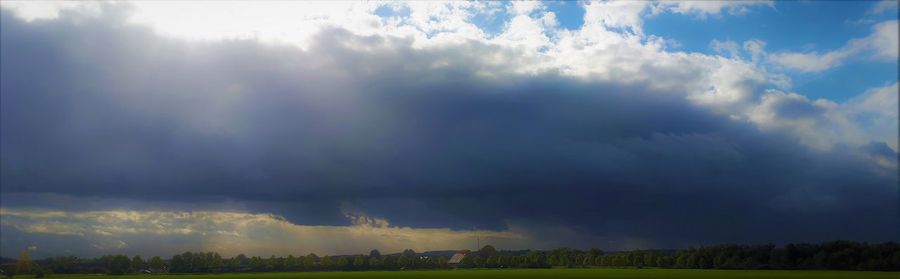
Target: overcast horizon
275,128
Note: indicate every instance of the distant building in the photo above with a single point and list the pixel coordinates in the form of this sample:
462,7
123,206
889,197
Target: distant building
458,257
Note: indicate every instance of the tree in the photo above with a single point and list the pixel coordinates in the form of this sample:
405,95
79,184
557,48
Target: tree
216,263
359,263
137,263
178,264
326,262
63,264
649,259
119,264
491,262
275,264
487,251
342,263
242,260
409,253
681,261
478,261
156,263
374,263
199,263
404,261
310,261
691,261
374,254
290,263
24,264
257,264
701,263
389,262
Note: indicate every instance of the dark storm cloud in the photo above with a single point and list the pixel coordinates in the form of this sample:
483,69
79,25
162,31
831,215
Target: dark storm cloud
99,109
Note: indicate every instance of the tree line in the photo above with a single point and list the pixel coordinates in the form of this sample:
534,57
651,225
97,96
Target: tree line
838,255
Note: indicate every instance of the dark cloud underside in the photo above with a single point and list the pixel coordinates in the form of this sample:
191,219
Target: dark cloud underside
95,108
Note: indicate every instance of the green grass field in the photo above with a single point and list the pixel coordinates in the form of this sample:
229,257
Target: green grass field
530,273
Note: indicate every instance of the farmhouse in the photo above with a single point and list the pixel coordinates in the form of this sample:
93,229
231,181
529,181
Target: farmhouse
458,258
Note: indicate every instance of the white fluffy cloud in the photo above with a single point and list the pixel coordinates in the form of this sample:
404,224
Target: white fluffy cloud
756,48
616,14
884,40
875,113
629,15
729,48
32,10
882,44
869,117
883,6
524,30
811,62
703,9
793,112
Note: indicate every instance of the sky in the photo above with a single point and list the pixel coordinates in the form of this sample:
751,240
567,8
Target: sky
275,128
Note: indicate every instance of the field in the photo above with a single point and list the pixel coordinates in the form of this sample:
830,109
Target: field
531,273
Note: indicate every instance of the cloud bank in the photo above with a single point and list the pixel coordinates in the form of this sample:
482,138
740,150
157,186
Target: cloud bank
229,233
540,136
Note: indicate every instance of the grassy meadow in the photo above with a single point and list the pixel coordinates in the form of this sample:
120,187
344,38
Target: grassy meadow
530,273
